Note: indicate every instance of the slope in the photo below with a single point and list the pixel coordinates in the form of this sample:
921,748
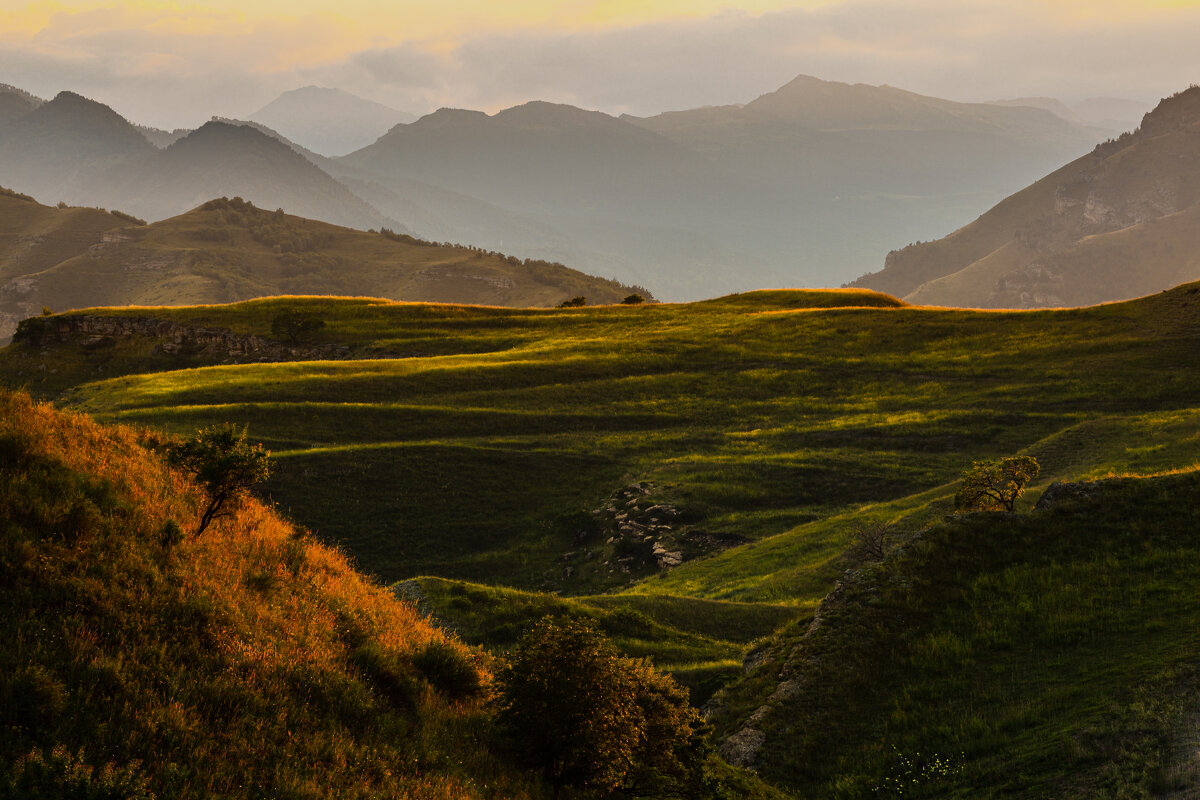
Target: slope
229,250
251,657
1048,654
1113,224
34,237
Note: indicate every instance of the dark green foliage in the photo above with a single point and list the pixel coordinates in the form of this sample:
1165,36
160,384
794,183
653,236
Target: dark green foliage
633,300
588,717
574,302
31,698
33,330
995,485
449,670
62,775
171,534
296,326
224,464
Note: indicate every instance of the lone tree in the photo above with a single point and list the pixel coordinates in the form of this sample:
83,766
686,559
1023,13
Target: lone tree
575,302
225,464
633,300
588,717
296,326
995,485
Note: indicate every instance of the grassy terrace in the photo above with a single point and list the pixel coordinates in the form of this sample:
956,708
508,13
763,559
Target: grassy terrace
758,415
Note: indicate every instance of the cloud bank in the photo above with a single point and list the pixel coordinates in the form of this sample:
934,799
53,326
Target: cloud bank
158,71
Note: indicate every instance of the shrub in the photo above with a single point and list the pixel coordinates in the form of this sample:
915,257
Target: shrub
296,326
995,485
588,717
449,670
633,300
574,302
60,774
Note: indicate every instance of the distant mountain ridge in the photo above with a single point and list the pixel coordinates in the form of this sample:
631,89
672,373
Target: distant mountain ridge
332,122
1122,221
805,185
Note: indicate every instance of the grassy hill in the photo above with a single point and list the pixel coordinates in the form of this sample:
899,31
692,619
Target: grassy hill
251,660
581,450
228,250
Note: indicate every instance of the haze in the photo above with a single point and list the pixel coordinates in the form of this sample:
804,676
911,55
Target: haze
170,64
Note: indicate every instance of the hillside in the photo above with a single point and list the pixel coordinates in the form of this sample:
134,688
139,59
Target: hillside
688,476
1117,223
250,657
226,250
332,122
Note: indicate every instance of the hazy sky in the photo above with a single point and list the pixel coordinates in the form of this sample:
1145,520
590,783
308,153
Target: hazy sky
177,63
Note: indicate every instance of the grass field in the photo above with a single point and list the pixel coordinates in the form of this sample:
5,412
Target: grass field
507,452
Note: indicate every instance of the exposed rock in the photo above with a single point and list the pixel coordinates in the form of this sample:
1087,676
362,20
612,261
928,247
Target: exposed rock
92,331
742,748
1061,490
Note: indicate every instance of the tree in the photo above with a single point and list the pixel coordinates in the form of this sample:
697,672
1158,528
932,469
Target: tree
296,326
224,464
574,302
633,300
588,717
995,485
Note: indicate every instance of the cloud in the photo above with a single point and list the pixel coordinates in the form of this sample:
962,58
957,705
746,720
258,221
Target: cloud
160,70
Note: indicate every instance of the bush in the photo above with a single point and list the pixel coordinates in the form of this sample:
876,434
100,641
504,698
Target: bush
633,300
62,775
574,302
995,485
449,670
296,326
588,717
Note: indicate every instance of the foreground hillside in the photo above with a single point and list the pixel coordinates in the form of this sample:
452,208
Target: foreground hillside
1119,222
250,660
228,250
690,477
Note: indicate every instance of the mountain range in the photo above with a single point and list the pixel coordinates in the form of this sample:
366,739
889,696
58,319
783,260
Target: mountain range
804,185
1119,222
332,122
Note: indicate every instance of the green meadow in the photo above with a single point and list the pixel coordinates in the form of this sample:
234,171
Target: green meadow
487,458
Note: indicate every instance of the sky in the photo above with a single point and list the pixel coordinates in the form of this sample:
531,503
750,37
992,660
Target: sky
175,64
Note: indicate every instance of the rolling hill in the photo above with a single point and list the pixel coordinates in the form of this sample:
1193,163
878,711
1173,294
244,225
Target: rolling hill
1116,223
689,476
230,250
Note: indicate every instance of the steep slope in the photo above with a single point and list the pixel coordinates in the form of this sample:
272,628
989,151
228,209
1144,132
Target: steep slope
233,160
331,121
59,150
229,250
1116,223
138,663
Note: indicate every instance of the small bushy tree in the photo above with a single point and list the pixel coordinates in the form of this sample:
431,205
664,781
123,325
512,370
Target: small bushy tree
588,717
574,302
995,485
296,326
224,464
633,300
